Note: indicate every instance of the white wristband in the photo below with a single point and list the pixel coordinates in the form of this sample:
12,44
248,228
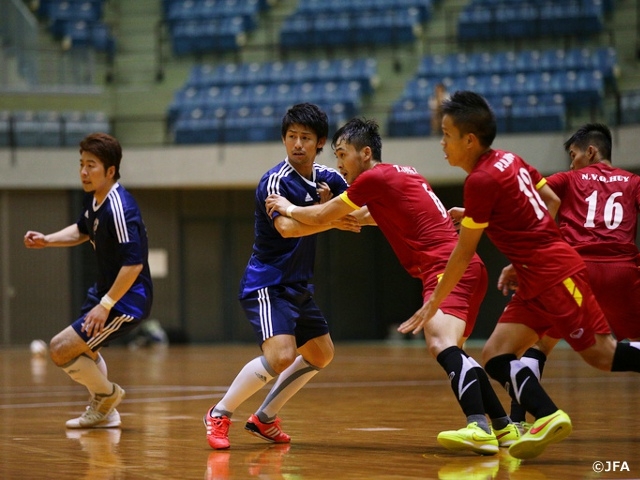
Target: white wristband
290,210
107,302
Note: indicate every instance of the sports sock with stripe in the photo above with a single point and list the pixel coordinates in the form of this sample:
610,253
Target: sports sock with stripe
253,376
521,384
85,371
535,360
290,381
464,383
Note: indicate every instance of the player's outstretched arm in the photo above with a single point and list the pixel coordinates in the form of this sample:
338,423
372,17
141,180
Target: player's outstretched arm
67,237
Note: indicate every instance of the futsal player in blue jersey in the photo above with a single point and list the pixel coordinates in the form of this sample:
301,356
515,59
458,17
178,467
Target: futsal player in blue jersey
122,295
275,292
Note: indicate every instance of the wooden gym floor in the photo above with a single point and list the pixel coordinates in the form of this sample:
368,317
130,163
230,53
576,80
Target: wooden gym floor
374,413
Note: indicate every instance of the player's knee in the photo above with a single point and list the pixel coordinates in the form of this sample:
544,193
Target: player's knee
281,361
321,360
59,351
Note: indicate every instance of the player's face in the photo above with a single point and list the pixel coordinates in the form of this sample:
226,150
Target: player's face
93,175
579,158
350,161
301,144
454,144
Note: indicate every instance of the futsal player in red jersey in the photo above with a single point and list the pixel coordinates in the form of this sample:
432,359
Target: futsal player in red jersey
598,216
501,198
420,231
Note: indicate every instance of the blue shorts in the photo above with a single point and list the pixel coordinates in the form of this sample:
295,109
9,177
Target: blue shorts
117,324
285,310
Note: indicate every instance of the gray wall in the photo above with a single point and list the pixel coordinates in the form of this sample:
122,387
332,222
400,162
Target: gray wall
198,207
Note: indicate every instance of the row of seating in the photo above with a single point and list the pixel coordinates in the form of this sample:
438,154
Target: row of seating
205,36
579,18
603,59
242,124
189,10
630,107
360,28
581,89
361,70
78,23
203,26
318,7
167,5
274,95
28,128
514,114
608,5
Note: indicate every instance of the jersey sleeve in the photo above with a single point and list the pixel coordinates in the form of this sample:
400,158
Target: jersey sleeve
82,219
127,228
82,224
270,184
480,194
366,188
336,183
558,183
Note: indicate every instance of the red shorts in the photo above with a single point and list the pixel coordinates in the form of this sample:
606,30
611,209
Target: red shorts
566,310
616,286
465,299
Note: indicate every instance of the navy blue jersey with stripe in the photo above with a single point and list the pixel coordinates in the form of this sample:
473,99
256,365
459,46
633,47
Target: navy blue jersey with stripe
276,260
119,238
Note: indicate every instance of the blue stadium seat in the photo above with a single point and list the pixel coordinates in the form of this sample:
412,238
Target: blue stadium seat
27,129
97,121
5,128
198,126
51,133
73,127
212,35
409,118
630,107
185,99
475,23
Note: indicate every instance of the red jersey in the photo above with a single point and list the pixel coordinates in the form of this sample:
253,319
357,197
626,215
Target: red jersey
500,195
409,214
599,211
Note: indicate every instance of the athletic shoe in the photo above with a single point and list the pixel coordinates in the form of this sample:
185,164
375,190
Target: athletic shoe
507,435
271,432
99,409
544,432
472,437
112,421
524,427
217,430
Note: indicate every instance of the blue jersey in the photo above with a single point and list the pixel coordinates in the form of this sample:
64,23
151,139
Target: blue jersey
119,238
276,260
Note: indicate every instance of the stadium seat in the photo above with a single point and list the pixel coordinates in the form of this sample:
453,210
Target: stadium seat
5,128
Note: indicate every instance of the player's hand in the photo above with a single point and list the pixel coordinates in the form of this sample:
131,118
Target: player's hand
324,191
456,214
508,280
94,320
34,240
419,319
348,223
276,203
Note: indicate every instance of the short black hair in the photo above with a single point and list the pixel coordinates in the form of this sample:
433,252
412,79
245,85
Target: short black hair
106,148
471,113
596,134
361,133
307,115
